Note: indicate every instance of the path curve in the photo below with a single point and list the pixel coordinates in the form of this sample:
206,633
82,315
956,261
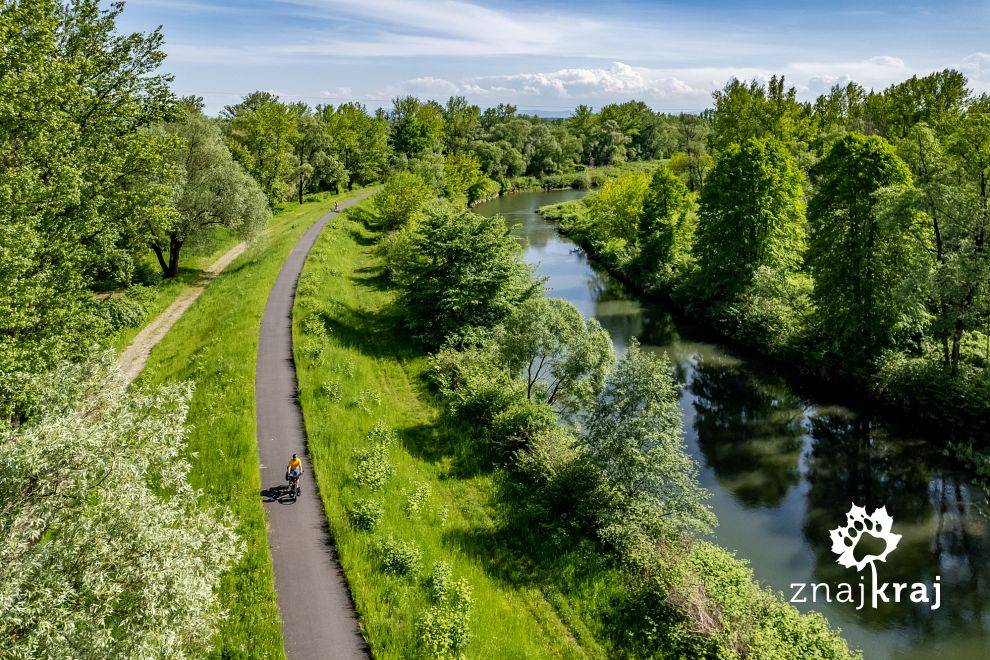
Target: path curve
318,616
133,358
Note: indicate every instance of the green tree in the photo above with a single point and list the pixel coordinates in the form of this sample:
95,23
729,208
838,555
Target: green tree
665,227
647,491
212,191
263,132
76,98
691,160
951,189
400,201
460,121
616,209
466,271
358,141
105,548
860,257
416,127
562,357
751,214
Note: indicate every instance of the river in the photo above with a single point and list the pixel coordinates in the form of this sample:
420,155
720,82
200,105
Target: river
784,463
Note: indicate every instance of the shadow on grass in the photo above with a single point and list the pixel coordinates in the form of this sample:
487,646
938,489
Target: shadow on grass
447,440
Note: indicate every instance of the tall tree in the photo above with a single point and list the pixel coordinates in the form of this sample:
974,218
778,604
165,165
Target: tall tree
562,357
466,271
212,191
263,132
460,121
860,258
75,99
665,229
647,493
751,214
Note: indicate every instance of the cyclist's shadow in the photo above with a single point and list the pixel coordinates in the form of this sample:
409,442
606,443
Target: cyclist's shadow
280,493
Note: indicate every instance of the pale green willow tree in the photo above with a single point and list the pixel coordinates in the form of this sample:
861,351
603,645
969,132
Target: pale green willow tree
647,491
212,191
105,551
562,357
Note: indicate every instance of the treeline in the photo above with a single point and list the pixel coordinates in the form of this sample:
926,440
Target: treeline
846,236
590,447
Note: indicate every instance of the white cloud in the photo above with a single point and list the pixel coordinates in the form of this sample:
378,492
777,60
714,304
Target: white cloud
338,94
431,85
976,66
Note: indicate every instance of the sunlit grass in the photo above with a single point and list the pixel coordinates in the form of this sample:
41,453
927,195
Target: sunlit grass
356,368
214,345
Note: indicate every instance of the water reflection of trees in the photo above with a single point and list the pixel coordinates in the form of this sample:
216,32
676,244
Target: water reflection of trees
934,508
749,431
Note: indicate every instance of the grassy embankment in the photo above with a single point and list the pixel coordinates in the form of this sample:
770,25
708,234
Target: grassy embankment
214,345
357,368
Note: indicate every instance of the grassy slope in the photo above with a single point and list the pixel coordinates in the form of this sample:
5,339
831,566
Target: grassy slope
529,602
156,298
214,345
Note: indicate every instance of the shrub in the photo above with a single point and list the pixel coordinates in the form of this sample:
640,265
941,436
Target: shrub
440,581
417,499
382,434
395,249
772,311
331,390
373,468
401,200
445,628
365,514
121,312
400,557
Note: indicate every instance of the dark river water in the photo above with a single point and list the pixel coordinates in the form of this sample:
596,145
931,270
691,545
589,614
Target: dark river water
784,467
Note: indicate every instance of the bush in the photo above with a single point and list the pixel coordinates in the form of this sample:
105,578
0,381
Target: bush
400,557
440,581
401,200
959,406
382,434
773,311
757,622
395,249
417,499
445,628
373,468
365,514
121,312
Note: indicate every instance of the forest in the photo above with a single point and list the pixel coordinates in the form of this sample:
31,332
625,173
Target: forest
845,236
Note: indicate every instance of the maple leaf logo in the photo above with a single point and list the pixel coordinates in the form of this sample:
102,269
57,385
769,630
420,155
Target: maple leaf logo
858,523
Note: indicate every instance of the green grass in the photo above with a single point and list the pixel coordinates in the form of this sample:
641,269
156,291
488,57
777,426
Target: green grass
155,298
533,598
214,345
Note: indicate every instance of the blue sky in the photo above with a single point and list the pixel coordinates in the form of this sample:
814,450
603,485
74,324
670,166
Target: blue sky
548,56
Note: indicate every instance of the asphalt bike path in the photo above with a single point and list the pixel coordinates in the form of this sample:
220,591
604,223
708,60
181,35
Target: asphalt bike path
318,616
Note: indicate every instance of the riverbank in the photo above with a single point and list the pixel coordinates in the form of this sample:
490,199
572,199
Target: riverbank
917,390
783,462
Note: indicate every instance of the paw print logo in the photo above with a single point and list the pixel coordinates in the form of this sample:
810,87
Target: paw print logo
859,524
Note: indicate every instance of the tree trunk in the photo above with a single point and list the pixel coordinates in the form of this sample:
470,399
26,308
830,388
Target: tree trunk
300,190
161,258
174,247
956,342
